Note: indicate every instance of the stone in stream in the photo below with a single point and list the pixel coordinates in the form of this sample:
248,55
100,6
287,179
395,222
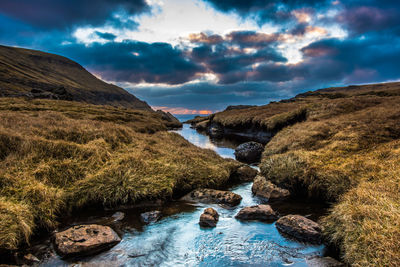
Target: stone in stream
118,216
249,152
300,228
150,217
318,261
209,218
83,240
267,190
244,174
259,212
213,196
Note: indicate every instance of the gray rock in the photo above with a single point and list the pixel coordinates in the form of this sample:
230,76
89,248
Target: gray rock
209,218
300,228
83,240
213,196
267,190
259,212
249,152
150,217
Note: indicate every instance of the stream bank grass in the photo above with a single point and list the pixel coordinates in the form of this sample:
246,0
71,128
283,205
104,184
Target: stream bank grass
57,156
347,152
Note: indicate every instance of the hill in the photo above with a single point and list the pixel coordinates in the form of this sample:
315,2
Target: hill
341,146
36,74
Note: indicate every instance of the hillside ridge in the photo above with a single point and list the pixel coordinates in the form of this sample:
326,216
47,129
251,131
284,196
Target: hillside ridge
37,74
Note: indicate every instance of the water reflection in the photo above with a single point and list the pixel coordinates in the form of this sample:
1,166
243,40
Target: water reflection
224,147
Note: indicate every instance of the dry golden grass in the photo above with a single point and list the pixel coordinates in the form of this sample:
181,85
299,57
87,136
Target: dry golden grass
347,152
58,155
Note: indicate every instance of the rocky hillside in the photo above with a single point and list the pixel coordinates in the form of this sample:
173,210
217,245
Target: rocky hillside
338,145
36,74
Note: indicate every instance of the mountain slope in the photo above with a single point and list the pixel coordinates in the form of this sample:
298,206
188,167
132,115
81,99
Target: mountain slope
36,74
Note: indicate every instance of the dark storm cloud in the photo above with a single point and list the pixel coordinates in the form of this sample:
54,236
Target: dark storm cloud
51,14
266,10
362,19
131,61
210,96
105,35
231,57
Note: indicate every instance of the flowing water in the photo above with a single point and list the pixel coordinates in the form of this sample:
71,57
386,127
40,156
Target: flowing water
177,239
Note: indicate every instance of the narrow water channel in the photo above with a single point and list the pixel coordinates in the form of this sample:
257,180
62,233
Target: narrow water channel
177,239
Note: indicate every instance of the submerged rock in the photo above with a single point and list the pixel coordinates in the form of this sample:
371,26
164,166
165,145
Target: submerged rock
30,259
118,216
244,174
150,217
209,218
267,190
300,228
318,261
213,196
259,212
83,240
249,152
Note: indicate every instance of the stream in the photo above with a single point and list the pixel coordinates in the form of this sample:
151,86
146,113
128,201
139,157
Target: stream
177,240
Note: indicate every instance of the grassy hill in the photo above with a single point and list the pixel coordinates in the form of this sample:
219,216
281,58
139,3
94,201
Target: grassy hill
56,156
343,149
36,74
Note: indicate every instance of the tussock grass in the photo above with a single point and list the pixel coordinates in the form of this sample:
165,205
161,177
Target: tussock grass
57,156
347,152
272,117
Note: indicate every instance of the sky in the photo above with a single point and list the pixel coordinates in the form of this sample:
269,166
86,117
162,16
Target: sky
199,56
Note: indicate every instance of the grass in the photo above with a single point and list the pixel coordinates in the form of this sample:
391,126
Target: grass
57,156
345,151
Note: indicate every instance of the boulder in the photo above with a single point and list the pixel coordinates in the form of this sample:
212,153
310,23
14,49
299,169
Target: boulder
244,174
259,212
83,240
267,190
249,152
300,228
213,196
209,218
318,261
150,217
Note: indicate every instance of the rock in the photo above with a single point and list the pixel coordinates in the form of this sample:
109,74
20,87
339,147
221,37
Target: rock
267,190
166,116
118,216
249,152
300,228
215,131
244,174
150,217
213,196
259,212
209,218
318,261
30,259
83,240
202,126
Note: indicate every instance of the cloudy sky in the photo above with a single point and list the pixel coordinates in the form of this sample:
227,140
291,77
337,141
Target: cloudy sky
194,56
